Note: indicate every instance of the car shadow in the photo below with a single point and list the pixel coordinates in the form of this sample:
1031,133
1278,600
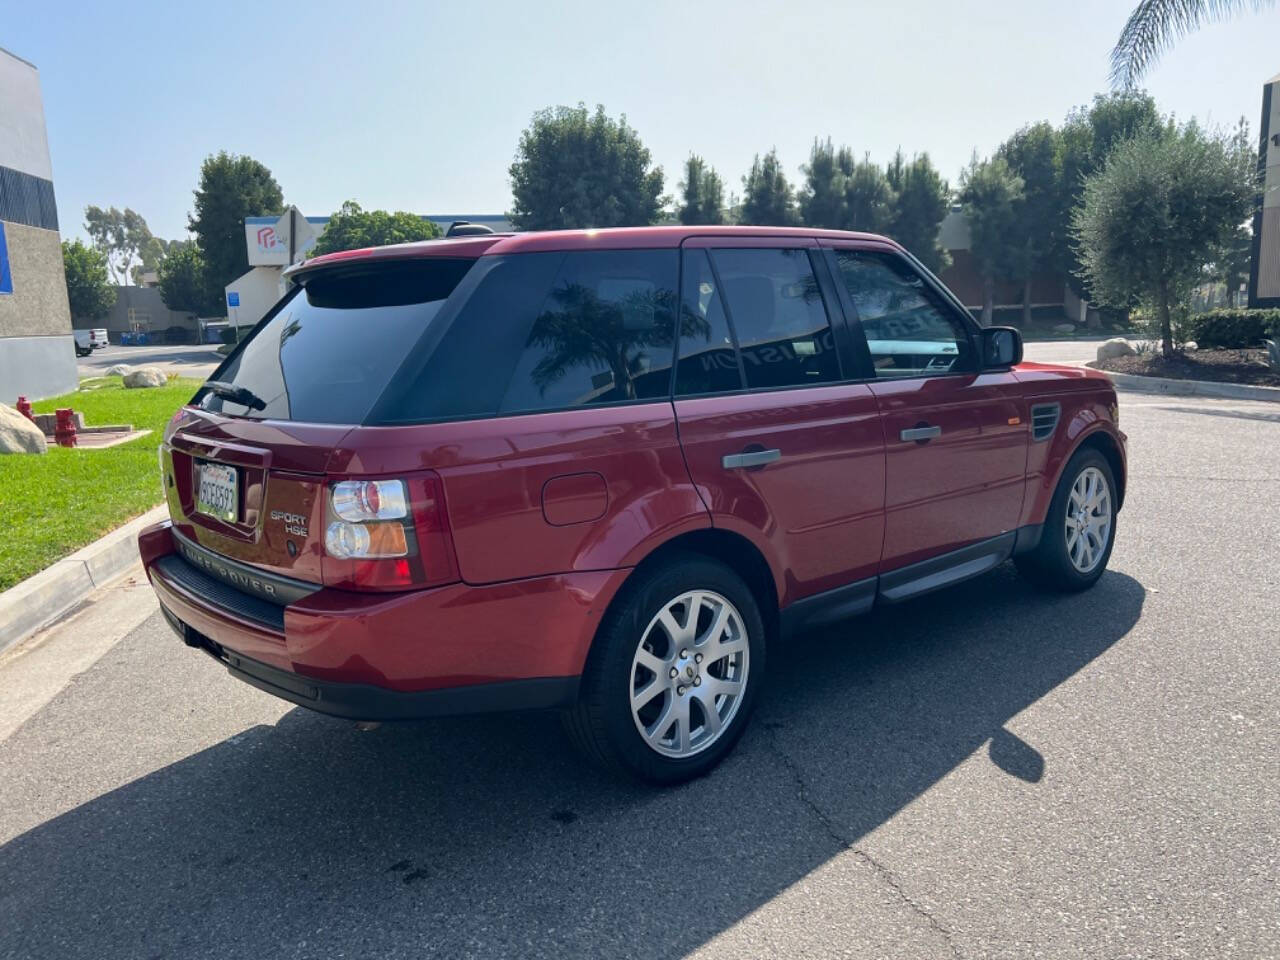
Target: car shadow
488,836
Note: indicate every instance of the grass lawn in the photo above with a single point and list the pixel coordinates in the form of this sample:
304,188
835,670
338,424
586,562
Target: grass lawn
54,504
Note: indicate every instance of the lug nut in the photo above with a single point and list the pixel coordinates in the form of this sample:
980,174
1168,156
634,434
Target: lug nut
684,654
697,681
674,673
680,690
697,658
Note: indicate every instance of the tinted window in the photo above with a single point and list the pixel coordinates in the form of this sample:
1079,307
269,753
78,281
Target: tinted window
708,361
332,346
777,313
602,333
910,331
461,368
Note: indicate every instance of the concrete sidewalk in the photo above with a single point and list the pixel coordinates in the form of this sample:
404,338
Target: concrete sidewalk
51,593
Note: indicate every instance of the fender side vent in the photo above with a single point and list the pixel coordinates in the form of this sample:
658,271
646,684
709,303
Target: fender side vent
1044,420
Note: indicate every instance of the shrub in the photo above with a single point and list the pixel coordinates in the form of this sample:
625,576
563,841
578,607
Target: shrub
1233,329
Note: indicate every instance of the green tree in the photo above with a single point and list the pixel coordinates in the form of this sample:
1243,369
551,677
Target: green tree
1034,155
231,188
1165,203
822,199
869,200
923,200
120,235
990,194
1085,140
353,227
702,194
1230,264
152,254
767,198
1155,25
574,168
89,291
1117,117
185,283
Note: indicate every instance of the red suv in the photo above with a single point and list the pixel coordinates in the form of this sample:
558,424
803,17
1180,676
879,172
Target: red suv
604,470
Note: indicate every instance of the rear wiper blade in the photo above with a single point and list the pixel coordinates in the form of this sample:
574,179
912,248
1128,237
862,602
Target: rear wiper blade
241,395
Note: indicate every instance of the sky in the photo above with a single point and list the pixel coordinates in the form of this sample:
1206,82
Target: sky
419,106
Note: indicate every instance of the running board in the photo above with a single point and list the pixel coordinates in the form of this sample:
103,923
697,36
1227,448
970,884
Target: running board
906,582
938,572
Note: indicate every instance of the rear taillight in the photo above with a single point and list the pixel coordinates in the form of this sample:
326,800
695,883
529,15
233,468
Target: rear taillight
387,534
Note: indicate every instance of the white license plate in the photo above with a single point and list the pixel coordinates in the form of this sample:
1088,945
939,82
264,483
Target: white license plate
216,491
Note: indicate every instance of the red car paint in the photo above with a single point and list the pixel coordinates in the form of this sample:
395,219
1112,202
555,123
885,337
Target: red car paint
546,514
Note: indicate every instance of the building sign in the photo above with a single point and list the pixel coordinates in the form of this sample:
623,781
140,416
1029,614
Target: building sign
6,277
266,246
233,298
267,238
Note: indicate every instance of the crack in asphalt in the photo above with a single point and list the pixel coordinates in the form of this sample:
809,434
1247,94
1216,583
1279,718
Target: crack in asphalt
833,831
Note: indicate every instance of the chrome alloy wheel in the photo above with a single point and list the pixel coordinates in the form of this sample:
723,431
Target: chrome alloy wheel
1088,519
689,673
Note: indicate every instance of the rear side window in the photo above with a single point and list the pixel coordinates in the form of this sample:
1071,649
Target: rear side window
910,331
708,360
777,313
332,346
601,334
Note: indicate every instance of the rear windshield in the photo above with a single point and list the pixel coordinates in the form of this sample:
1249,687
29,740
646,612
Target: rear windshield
330,348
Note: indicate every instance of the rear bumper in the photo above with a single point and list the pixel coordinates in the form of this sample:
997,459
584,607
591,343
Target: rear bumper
455,649
359,701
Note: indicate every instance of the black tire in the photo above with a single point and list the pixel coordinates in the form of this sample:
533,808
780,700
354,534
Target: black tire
1049,565
602,726
81,353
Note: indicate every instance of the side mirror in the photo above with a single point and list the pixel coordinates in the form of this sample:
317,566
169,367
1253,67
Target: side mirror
1001,347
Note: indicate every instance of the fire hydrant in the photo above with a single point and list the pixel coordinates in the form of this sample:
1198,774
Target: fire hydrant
24,408
64,431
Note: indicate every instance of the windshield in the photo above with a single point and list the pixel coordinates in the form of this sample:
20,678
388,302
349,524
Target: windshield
331,346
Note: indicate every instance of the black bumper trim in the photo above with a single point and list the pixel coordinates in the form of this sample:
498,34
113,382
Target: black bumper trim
360,701
219,595
243,577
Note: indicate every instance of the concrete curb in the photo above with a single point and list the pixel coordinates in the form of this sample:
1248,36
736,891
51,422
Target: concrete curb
41,599
1190,388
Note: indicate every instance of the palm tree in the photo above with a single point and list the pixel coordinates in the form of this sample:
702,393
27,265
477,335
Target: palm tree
1154,25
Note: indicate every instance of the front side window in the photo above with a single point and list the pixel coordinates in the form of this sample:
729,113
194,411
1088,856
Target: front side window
777,312
910,331
603,333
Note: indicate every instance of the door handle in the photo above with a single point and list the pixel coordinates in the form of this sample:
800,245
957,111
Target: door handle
753,458
920,434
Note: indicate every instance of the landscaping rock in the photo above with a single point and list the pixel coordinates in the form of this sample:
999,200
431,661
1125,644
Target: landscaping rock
1189,346
1064,328
118,370
18,434
1115,347
146,377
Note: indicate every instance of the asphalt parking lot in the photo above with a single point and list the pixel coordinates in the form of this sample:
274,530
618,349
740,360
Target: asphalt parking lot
987,772
190,360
